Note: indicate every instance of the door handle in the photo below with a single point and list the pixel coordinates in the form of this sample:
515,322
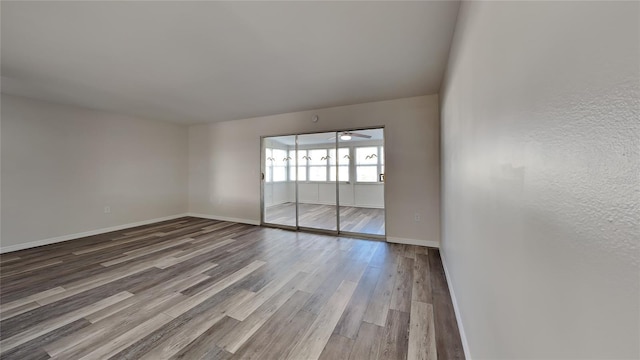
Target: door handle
262,177
381,177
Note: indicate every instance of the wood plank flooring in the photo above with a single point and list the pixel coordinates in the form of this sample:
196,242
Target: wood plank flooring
194,288
352,219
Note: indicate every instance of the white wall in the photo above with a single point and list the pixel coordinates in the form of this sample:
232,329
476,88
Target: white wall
224,161
61,165
356,195
540,132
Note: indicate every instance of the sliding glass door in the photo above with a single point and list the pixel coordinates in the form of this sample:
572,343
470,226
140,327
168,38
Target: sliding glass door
278,187
362,182
317,190
330,182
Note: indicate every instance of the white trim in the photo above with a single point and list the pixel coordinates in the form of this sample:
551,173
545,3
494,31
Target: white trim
57,239
456,310
428,243
224,218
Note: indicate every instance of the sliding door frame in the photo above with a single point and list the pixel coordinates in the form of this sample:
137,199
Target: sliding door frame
297,227
263,164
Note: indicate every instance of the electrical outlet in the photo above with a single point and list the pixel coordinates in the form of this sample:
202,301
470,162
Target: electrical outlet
416,217
107,209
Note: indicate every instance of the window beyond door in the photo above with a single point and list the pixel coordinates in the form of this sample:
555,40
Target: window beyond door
369,163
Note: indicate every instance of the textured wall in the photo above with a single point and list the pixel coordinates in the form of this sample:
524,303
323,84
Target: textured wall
61,165
540,132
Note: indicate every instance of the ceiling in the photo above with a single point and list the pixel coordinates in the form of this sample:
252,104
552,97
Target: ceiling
193,62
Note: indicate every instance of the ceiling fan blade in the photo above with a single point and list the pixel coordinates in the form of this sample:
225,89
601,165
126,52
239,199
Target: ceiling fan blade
361,135
331,138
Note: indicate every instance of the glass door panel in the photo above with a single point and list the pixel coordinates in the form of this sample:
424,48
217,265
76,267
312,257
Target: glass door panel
316,187
362,185
278,184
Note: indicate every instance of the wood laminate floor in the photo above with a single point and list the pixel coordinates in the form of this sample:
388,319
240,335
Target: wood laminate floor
194,288
352,219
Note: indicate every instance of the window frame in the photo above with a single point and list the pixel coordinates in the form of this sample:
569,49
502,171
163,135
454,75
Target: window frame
296,164
327,165
338,165
270,165
276,165
379,165
311,164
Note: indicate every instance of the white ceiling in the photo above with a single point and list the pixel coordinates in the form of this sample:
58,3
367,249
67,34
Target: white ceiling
192,62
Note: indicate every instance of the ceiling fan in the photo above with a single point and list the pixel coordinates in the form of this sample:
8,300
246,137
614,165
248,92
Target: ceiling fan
347,135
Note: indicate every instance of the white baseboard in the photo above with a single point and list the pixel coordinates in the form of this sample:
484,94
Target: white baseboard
57,239
456,310
224,218
428,243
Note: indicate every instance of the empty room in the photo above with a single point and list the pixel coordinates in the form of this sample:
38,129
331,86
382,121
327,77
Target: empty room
319,180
